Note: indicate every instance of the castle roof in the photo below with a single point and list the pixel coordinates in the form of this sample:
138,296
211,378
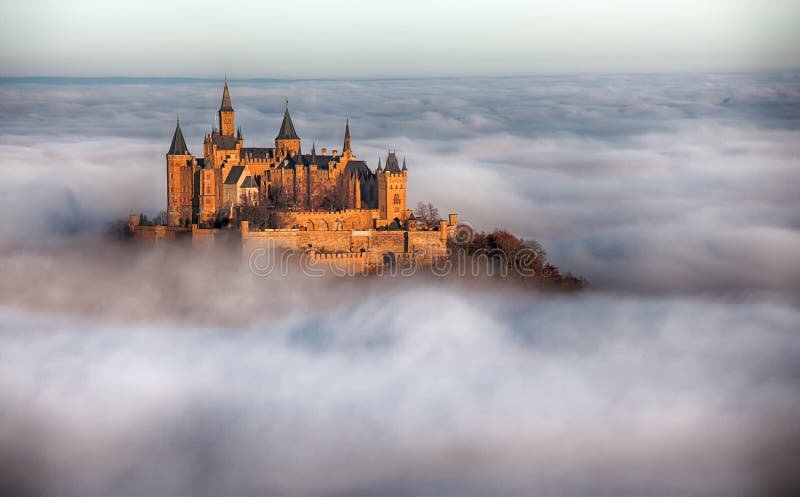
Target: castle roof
178,146
224,142
256,152
226,99
391,163
287,131
234,175
249,182
358,167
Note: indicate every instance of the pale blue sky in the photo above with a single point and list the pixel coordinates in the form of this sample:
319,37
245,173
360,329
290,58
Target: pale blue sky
355,38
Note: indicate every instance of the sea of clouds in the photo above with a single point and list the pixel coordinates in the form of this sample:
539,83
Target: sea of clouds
172,372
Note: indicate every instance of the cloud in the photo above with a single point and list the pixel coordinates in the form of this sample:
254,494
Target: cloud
176,372
441,392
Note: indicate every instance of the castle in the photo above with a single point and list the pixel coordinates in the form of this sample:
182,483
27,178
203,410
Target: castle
207,190
331,205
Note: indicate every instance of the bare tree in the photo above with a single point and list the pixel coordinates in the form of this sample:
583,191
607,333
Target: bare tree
427,212
161,217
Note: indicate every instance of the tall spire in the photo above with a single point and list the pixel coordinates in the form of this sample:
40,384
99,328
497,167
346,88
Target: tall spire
379,165
178,146
226,98
313,152
287,131
404,164
346,147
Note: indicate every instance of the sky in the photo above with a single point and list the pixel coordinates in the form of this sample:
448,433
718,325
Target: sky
414,38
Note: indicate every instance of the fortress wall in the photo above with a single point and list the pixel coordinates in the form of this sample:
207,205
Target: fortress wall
428,243
351,219
202,236
269,238
325,241
388,241
154,234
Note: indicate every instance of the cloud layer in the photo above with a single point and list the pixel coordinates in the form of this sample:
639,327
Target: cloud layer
173,372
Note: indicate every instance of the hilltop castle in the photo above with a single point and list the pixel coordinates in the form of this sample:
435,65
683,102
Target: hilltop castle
207,190
331,206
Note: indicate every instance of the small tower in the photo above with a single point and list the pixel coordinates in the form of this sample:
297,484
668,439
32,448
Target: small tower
287,142
392,189
179,180
226,113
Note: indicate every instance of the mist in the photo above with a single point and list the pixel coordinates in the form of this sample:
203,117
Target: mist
133,371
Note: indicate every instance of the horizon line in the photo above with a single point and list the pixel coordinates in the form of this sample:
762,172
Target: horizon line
392,78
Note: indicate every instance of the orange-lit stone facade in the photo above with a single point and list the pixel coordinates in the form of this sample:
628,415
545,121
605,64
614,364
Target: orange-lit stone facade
305,185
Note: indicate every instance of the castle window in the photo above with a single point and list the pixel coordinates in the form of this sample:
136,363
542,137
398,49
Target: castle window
396,199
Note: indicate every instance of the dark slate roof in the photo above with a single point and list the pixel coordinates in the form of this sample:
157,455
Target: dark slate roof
224,142
391,163
287,128
324,161
249,182
234,175
358,167
257,153
226,99
202,163
178,146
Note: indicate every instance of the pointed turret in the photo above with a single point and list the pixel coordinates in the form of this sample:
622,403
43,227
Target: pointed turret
404,164
178,146
313,152
287,131
287,142
391,163
226,99
346,147
379,170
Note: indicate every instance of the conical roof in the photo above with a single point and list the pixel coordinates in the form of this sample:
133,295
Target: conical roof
178,146
346,145
226,99
287,131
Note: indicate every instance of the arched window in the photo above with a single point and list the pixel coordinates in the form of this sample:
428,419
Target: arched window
396,199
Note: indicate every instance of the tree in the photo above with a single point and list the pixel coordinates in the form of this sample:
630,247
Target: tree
427,212
255,213
118,229
161,218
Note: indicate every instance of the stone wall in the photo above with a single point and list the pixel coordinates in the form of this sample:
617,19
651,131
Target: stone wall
349,219
347,248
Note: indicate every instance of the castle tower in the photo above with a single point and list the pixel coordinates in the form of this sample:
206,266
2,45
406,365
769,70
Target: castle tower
226,113
179,180
287,142
392,189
